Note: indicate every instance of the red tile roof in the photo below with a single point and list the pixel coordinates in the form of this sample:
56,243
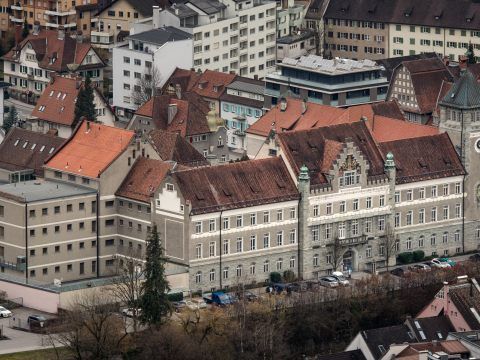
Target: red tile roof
91,149
382,129
236,185
186,79
143,179
211,84
424,158
47,47
173,147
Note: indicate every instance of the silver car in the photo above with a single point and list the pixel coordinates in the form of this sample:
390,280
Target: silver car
340,278
328,281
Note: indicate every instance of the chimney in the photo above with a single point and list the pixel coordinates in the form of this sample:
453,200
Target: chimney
61,33
463,63
178,91
304,106
36,27
283,104
172,111
79,36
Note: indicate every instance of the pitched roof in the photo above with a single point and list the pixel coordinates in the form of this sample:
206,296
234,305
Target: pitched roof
236,185
464,94
450,347
345,355
143,179
173,147
211,84
51,52
186,79
391,63
381,128
161,35
24,149
453,14
57,102
144,7
91,149
309,147
431,328
427,76
379,338
423,158
466,298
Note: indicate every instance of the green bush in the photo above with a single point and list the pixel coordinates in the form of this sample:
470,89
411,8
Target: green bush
275,277
175,297
418,255
288,276
405,257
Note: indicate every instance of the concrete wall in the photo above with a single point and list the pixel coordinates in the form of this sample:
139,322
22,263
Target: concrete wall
33,297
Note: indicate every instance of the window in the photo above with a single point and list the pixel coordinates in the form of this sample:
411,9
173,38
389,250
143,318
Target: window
280,238
342,206
368,226
456,235
226,247
421,216
368,252
445,190
239,270
266,266
355,204
212,275
293,213
292,262
349,178
198,277
458,210
433,240
457,188
328,209
408,244
409,217
225,273
239,220
239,244
421,193
434,214
226,223
421,241
253,242
198,227
211,225
109,222
279,264
328,231
381,223
211,249
315,210
445,212
382,200
198,251
266,217
253,219
409,195
69,207
397,220
445,238
369,203
315,260
434,191
279,215
341,230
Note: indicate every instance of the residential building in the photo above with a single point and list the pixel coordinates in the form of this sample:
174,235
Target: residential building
290,16
337,82
228,36
375,29
151,54
345,355
314,21
55,108
30,65
441,349
116,18
5,24
23,153
469,339
416,85
188,115
241,105
391,63
297,44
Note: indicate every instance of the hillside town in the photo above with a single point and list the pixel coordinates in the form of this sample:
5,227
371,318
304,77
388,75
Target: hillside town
240,179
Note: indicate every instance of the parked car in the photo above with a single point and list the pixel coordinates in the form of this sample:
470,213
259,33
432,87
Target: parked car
218,298
397,272
439,264
342,280
200,303
328,281
130,312
247,295
5,312
474,258
36,320
179,305
448,261
276,287
420,267
294,287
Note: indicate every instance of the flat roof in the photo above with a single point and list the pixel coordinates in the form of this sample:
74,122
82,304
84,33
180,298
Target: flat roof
255,88
290,39
161,35
331,66
40,190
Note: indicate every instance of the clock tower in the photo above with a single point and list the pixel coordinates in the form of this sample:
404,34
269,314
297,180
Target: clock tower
460,118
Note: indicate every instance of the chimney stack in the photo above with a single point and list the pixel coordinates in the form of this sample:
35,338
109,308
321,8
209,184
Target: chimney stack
283,104
61,33
172,111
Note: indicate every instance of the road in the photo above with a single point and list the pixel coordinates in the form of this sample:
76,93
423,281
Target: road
24,110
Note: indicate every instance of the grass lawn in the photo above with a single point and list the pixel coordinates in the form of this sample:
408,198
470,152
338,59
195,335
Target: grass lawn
47,354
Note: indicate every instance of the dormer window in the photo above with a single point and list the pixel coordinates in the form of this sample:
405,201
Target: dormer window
42,148
215,88
51,93
41,108
349,178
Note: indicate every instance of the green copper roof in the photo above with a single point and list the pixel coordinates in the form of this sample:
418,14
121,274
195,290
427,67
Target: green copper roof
465,93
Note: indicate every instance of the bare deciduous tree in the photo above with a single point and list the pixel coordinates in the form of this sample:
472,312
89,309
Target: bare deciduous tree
389,243
146,86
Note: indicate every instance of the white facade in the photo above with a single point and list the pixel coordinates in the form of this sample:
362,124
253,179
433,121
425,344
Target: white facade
295,46
130,64
289,17
241,38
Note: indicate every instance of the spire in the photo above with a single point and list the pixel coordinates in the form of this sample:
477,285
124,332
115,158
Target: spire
304,174
389,162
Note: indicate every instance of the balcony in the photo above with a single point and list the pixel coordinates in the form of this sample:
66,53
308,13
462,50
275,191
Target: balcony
60,13
239,132
18,266
356,240
16,6
66,26
16,20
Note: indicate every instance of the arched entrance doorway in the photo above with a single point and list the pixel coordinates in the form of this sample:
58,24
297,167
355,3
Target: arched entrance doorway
348,261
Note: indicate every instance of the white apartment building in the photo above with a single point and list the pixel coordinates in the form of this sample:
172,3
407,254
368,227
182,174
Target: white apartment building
414,39
290,17
228,36
162,49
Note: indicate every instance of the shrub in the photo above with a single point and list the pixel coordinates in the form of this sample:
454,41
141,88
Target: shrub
175,297
418,255
405,257
275,277
288,276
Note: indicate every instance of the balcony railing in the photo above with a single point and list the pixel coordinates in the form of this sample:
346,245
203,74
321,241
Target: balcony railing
354,240
12,266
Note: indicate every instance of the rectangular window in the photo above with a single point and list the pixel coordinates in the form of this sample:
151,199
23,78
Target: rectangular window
397,220
434,191
445,212
198,227
253,242
279,215
409,217
226,223
343,206
266,217
355,204
458,210
458,188
253,219
239,220
328,231
382,200
211,249
293,213
434,214
226,247
409,195
421,216
198,251
315,233
445,190
381,223
315,210
109,242
239,244
368,226
421,193
280,238
293,236
329,209
211,225
266,240
369,203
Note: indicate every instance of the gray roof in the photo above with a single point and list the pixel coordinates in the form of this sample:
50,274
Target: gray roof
161,36
41,190
464,94
144,7
182,10
208,6
290,39
255,88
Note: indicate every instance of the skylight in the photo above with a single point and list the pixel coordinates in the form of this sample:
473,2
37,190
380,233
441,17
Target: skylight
51,150
16,142
33,146
42,148
25,144
51,93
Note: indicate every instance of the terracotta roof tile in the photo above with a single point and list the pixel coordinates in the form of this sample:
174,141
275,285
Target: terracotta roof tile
23,149
143,179
211,84
236,185
173,147
91,149
186,79
424,158
381,128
